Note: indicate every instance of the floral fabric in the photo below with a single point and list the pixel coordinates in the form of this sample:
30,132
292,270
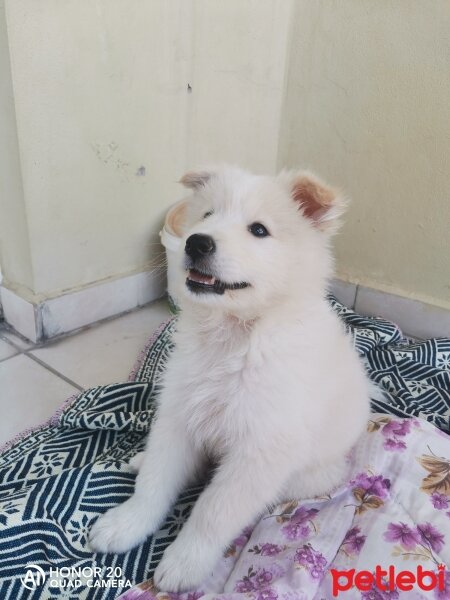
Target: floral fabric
394,510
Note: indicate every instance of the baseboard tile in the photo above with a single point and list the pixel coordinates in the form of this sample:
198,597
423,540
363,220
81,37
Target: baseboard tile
416,319
344,292
20,314
71,311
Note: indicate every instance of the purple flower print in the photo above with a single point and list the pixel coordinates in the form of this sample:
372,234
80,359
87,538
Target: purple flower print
242,539
296,531
373,485
398,428
313,561
297,527
445,593
423,540
369,491
182,596
267,594
270,549
302,514
439,501
393,430
394,445
430,536
244,585
254,580
195,595
262,577
401,532
353,541
351,533
375,594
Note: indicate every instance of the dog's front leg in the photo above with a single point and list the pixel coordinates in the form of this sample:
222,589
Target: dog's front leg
168,462
240,490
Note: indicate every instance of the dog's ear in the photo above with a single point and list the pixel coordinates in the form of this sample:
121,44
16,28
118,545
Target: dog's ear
318,202
195,179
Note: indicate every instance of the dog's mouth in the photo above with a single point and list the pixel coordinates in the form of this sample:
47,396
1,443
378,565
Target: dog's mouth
207,284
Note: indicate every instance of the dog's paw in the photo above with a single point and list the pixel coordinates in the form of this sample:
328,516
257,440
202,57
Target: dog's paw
136,462
184,567
118,530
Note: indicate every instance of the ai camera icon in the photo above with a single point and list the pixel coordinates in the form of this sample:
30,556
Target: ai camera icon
33,578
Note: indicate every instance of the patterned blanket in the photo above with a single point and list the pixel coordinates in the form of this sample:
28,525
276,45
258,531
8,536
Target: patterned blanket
391,517
56,480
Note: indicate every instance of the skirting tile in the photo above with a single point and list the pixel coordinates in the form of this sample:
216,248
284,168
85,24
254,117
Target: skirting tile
415,318
71,311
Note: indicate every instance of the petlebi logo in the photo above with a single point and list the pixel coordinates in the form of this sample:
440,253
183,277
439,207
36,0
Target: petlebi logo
390,580
33,578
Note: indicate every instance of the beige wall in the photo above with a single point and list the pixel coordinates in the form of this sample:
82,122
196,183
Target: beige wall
368,106
101,93
15,254
357,90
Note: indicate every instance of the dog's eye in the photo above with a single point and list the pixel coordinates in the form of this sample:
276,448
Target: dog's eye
258,230
207,214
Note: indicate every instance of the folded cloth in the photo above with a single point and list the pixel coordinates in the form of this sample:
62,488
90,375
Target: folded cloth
393,514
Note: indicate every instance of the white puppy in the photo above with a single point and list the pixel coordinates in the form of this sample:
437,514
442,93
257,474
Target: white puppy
263,379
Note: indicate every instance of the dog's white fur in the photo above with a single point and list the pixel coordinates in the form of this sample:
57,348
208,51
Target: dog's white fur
263,380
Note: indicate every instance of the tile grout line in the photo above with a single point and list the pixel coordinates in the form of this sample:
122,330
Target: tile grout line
2,360
52,370
9,343
6,339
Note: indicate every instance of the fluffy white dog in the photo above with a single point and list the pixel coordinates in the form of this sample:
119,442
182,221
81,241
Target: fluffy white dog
263,381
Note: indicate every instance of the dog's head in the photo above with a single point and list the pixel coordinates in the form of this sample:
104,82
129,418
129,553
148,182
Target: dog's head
254,241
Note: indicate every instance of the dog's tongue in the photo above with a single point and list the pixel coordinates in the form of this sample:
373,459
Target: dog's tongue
199,278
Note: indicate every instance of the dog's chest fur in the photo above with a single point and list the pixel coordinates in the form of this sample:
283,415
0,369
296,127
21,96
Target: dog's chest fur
219,361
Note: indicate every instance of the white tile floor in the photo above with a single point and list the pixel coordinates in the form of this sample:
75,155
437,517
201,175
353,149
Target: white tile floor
35,380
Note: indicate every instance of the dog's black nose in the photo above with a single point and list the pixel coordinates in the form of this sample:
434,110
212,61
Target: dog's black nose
199,245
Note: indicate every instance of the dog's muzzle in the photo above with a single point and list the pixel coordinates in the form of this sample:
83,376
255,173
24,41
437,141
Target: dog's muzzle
200,248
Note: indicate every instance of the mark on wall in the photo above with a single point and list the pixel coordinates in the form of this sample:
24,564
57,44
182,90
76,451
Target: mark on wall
104,152
108,153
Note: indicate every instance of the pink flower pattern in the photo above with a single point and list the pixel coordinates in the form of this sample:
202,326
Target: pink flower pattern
394,429
423,540
373,485
300,524
445,593
285,557
401,532
353,541
311,560
267,549
254,580
439,501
